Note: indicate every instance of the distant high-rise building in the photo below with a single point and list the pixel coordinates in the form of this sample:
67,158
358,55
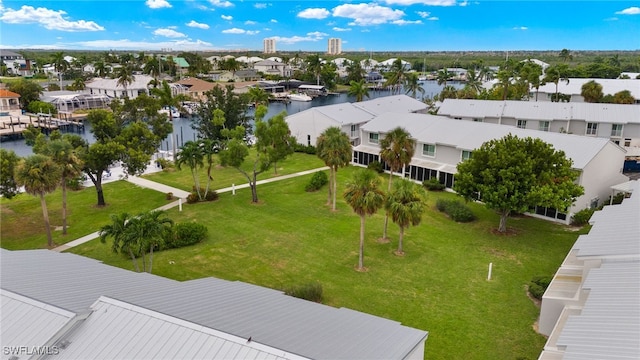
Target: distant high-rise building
335,46
269,46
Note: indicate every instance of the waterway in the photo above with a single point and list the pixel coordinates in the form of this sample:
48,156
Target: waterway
184,132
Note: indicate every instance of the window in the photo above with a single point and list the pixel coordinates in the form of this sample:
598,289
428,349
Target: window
616,130
457,118
354,131
627,142
308,140
477,119
428,150
522,124
466,155
592,129
373,138
543,126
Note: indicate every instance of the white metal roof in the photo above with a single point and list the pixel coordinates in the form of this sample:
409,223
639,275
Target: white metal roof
609,86
139,82
28,322
468,135
541,110
393,103
268,316
120,330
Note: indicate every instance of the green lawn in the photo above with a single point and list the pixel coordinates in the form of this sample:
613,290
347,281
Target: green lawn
22,225
292,237
226,176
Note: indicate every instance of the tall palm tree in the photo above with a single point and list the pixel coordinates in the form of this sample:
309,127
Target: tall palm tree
365,198
100,69
258,96
78,84
473,81
565,55
152,67
334,148
358,89
121,241
60,65
396,149
166,98
405,205
314,65
592,92
555,74
66,157
125,78
443,76
413,86
39,175
396,75
192,155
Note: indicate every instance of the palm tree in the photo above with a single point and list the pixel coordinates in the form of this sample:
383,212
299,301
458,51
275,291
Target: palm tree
365,198
396,149
555,74
125,78
100,69
623,97
65,156
413,85
258,96
152,67
473,81
397,75
334,148
147,231
358,89
592,92
314,65
405,204
192,155
443,76
121,242
565,55
166,98
78,84
60,65
39,175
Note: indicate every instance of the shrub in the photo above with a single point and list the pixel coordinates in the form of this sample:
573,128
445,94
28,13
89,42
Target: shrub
539,285
185,234
582,217
433,185
42,107
318,180
310,291
376,166
306,149
211,196
456,210
169,196
193,198
165,164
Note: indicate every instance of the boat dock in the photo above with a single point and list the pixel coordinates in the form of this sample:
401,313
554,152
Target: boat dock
12,126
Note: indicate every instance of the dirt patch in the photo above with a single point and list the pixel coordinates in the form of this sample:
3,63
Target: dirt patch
383,240
363,269
509,232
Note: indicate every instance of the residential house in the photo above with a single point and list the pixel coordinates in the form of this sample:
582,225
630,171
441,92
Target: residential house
16,63
240,75
197,87
111,88
618,122
441,144
69,101
65,302
307,125
591,309
270,67
9,101
387,64
574,88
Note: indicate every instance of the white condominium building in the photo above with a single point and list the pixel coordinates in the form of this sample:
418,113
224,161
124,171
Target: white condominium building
269,46
335,46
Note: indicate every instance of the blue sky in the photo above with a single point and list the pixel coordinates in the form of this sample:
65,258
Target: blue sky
383,25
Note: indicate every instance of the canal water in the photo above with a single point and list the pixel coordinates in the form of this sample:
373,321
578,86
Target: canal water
184,132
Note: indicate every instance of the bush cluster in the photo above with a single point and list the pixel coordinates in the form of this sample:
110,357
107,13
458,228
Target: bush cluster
185,234
318,180
376,166
310,291
305,149
165,164
194,198
582,217
538,286
456,210
433,185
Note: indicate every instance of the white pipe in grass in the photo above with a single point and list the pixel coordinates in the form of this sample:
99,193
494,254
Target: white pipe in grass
490,270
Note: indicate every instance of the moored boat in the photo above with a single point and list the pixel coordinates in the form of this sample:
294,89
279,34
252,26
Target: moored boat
300,97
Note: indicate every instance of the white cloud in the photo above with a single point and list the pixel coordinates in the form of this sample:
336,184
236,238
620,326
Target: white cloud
315,13
260,6
49,19
312,36
194,24
240,31
317,34
464,3
221,3
423,14
433,18
273,20
367,14
143,45
341,29
226,17
523,28
170,33
422,2
157,4
406,22
629,11
172,27
202,7
250,22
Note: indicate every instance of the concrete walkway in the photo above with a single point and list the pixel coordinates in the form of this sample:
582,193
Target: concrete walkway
181,194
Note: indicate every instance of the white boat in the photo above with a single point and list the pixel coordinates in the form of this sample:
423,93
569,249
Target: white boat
172,113
300,97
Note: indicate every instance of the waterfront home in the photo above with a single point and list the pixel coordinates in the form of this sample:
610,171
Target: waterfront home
441,144
270,67
590,309
617,122
9,100
67,301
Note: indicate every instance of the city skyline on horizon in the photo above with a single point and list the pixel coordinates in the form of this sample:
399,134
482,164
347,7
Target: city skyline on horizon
383,25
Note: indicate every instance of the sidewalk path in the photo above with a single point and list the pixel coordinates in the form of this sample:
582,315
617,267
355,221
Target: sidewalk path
180,194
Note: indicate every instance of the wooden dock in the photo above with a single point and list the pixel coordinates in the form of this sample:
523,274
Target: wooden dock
12,127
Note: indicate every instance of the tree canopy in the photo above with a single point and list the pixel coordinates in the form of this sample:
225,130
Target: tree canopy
514,174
